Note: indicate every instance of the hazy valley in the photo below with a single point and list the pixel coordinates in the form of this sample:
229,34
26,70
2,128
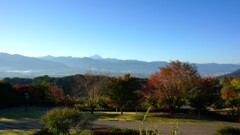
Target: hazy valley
23,66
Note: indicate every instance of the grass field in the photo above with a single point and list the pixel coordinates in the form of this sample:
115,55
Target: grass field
155,117
20,113
182,118
114,116
15,114
16,132
28,132
35,113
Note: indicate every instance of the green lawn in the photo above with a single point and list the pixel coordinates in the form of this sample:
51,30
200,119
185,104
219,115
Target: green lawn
16,132
30,131
114,116
20,113
182,118
35,113
155,117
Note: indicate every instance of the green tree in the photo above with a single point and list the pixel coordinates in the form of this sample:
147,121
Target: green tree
95,87
135,102
121,91
236,83
7,95
45,78
67,84
91,88
226,80
17,80
205,94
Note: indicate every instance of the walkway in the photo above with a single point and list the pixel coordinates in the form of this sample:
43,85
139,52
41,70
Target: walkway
184,129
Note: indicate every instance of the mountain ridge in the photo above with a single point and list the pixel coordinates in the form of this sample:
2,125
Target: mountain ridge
66,65
235,73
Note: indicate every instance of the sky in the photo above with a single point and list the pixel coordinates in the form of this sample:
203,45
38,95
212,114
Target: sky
198,31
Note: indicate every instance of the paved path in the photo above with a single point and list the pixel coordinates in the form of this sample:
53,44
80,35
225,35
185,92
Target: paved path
184,129
20,124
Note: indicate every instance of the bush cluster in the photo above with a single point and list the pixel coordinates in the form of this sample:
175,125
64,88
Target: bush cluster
44,131
228,131
116,131
60,120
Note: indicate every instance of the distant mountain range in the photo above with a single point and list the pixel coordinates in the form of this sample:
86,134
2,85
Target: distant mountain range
23,66
235,73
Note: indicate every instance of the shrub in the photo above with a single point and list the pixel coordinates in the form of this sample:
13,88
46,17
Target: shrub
116,131
60,120
129,132
228,131
101,132
44,131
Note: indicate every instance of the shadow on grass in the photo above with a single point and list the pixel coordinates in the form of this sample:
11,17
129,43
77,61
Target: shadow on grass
37,112
21,113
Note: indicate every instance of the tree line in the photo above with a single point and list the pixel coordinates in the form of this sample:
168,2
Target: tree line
173,87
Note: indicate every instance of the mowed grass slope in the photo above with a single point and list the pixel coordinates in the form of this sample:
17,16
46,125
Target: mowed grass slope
17,132
37,112
30,131
15,114
155,117
21,113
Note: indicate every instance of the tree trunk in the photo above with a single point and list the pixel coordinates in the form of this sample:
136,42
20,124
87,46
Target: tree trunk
233,111
179,108
92,109
172,110
238,114
121,109
199,113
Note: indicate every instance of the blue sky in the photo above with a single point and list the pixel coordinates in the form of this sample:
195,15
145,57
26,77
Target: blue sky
199,31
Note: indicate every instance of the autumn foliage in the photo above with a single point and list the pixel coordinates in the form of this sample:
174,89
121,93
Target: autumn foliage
39,95
56,94
171,85
231,93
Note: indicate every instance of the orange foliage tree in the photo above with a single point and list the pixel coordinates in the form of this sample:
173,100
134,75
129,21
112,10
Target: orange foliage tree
39,94
171,85
36,96
232,97
57,94
231,93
